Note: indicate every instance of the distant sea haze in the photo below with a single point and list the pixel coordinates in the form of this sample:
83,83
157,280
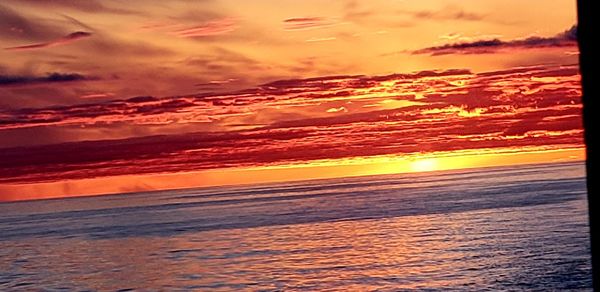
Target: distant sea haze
504,228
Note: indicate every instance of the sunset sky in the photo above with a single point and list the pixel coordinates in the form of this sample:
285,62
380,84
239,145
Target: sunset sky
116,96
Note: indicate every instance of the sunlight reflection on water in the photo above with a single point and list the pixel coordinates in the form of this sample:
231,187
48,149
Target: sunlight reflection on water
523,229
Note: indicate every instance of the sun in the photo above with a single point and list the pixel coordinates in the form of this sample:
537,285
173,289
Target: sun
428,164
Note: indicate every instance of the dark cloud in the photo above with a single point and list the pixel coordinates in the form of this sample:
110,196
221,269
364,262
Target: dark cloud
567,38
15,80
72,37
569,34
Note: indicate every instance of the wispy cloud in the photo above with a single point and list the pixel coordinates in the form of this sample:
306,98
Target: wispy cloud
448,13
72,37
98,95
567,38
321,39
303,23
15,25
207,28
77,22
210,28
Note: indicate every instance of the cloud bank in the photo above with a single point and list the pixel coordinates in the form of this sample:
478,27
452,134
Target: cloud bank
434,111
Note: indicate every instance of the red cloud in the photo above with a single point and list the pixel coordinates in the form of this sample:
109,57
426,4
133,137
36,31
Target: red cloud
458,88
448,110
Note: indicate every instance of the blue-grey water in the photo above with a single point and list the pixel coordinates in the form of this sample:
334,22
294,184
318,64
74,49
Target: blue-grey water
507,228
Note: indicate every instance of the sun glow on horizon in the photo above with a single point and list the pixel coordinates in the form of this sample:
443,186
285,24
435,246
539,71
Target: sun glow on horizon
236,92
422,165
440,161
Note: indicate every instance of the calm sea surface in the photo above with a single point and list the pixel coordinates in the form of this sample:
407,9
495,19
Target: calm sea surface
508,228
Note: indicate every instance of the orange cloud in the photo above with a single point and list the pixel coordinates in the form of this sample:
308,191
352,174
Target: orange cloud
303,23
456,110
72,37
193,28
210,28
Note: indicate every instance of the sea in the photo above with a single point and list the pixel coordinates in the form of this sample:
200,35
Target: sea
517,228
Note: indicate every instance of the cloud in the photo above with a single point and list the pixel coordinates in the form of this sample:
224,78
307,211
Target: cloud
209,28
89,6
106,45
304,23
78,22
448,13
13,25
320,39
220,69
538,106
72,37
14,80
438,88
353,11
219,58
98,95
567,38
337,109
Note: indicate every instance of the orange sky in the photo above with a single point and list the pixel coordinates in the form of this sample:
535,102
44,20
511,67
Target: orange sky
102,97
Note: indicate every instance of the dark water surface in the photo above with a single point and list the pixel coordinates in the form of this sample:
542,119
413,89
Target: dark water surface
508,228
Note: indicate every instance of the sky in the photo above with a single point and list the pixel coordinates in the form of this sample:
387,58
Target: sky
102,97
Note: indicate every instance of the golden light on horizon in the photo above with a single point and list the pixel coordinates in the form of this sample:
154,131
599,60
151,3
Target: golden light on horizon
441,161
233,92
421,165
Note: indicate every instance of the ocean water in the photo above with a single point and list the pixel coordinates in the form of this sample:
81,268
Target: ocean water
507,228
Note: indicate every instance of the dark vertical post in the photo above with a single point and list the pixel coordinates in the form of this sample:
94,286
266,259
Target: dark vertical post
588,46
